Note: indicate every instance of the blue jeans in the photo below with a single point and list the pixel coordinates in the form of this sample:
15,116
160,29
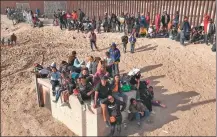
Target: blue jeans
117,95
115,69
59,93
139,116
183,37
132,47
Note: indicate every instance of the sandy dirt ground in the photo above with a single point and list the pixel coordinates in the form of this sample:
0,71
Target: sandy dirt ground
184,78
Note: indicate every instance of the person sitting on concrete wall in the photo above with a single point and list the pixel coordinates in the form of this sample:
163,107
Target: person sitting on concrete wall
84,91
115,107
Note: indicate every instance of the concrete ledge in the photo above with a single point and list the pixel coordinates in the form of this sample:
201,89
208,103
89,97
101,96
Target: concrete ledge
82,123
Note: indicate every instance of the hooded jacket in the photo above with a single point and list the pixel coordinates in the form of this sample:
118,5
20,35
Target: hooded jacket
115,54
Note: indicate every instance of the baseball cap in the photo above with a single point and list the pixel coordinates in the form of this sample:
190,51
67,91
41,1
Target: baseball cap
104,78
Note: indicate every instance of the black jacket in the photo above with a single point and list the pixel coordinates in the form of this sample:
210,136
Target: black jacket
163,19
114,109
211,29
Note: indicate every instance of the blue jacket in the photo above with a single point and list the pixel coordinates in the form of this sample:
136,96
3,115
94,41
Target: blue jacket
115,54
143,21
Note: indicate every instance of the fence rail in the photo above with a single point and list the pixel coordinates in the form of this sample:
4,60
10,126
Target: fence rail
194,9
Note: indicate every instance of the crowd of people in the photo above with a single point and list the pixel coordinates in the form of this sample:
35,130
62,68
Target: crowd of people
140,25
97,82
24,15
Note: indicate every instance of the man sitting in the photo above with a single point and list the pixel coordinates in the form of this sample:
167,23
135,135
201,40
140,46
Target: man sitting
137,110
102,91
84,91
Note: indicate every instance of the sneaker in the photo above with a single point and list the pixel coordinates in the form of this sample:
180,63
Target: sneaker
63,104
54,101
84,107
125,125
139,124
107,124
54,93
152,112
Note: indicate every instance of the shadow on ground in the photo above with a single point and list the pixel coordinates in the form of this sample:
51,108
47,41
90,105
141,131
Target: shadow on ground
163,116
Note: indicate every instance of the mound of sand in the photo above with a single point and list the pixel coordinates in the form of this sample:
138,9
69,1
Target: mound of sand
183,78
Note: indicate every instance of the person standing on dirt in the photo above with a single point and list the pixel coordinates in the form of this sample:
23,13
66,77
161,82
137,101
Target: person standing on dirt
210,32
115,107
62,19
92,38
98,25
165,19
124,40
81,15
37,11
206,22
176,19
113,22
106,22
122,22
185,31
132,41
115,55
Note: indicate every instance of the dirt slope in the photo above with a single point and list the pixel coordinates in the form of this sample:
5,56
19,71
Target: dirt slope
184,78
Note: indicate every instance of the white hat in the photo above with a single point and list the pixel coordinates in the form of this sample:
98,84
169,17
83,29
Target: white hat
53,64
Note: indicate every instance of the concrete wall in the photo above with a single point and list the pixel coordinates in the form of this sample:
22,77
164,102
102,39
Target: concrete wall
32,4
82,123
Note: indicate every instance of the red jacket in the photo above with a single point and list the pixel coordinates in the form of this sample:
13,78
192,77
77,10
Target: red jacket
74,16
157,20
205,22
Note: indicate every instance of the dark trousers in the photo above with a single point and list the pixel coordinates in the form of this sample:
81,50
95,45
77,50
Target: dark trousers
98,30
82,98
209,38
63,24
113,125
124,47
113,27
132,47
93,43
147,103
54,83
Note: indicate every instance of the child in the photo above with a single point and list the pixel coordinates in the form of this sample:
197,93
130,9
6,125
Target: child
124,41
155,102
55,78
132,41
142,31
150,31
109,63
93,65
